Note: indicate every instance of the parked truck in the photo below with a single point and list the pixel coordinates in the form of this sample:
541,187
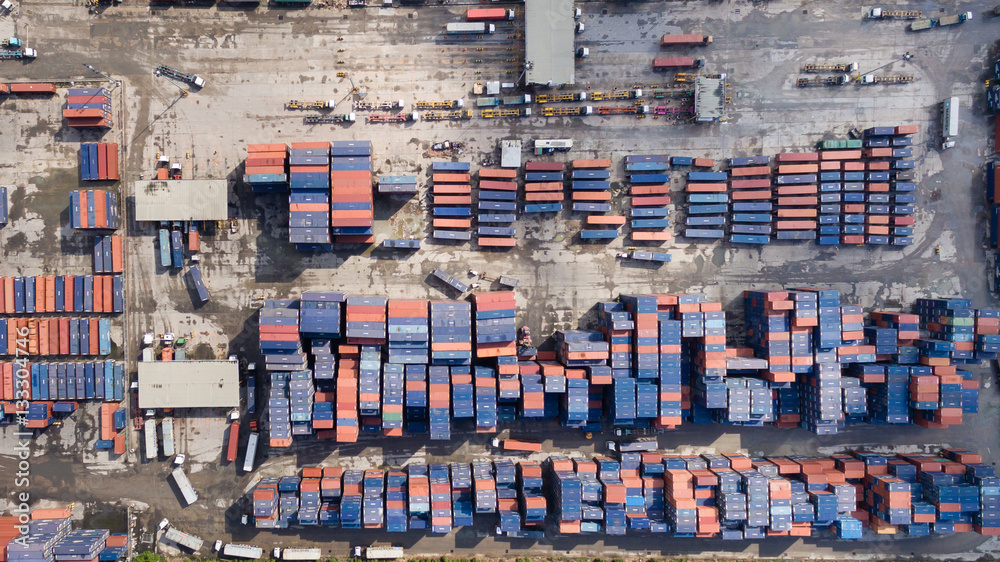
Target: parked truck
489,14
666,63
685,39
165,257
870,79
831,67
517,445
883,14
922,24
167,427
444,104
949,122
517,100
823,81
11,54
470,28
149,427
244,551
378,552
251,453
297,553
181,538
646,444
177,248
187,490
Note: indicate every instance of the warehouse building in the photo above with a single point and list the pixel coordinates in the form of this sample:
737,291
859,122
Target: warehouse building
548,42
189,384
181,200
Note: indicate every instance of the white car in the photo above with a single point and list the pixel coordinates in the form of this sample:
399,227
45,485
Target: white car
163,525
218,546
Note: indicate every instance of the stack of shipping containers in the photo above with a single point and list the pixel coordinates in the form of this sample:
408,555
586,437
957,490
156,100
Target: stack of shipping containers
439,403
48,337
352,212
4,213
497,208
461,494
708,206
419,496
265,172
99,161
900,170
591,194
397,184
107,256
452,200
396,501
309,200
440,492
93,209
543,195
750,182
88,108
797,198
650,190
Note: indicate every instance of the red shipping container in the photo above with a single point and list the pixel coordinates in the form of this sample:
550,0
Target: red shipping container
102,161
109,304
497,173
98,293
308,145
32,88
251,148
100,209
64,336
68,287
84,215
117,262
544,166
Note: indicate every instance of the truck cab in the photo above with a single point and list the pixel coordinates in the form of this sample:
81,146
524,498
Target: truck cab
198,81
12,43
583,52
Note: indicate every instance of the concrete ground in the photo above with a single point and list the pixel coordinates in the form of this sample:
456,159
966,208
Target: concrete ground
255,59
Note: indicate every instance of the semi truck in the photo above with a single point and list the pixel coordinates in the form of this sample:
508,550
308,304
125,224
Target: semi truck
489,14
517,100
378,552
184,485
14,54
831,67
949,122
685,39
167,426
922,24
665,63
244,551
839,80
517,445
149,427
445,104
646,444
171,72
297,553
251,453
883,14
181,538
165,259
470,28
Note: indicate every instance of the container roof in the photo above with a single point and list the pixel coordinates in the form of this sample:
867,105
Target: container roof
181,200
189,384
548,42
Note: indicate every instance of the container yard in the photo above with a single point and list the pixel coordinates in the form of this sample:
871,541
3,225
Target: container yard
526,280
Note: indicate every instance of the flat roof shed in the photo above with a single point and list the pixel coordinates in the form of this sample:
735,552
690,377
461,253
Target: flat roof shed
549,32
189,384
181,200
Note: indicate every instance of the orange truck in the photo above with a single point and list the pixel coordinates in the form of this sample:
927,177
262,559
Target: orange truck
489,14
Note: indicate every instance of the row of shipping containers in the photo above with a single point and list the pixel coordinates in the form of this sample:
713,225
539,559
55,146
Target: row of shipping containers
44,337
451,191
590,191
809,361
89,108
78,381
544,193
397,184
114,419
731,496
99,161
108,254
62,293
497,208
93,209
649,188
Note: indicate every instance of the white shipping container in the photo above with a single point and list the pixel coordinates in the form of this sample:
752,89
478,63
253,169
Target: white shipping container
244,551
251,453
187,490
150,431
167,426
301,554
949,118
